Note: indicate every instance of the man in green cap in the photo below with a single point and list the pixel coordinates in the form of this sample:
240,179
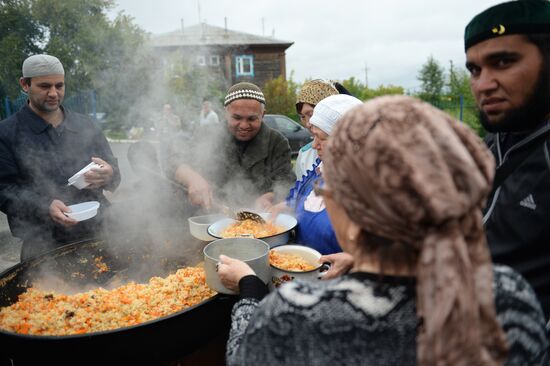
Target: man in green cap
245,164
508,56
41,146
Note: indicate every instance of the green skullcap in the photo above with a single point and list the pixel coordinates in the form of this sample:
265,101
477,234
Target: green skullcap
514,17
42,65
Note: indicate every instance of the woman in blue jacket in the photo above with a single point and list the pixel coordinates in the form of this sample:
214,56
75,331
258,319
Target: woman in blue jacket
314,229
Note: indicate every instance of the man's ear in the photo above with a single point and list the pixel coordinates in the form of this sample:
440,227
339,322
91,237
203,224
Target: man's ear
24,85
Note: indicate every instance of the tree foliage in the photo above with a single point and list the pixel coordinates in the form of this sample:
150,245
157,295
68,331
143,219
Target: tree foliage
458,92
20,36
280,95
432,78
363,92
95,51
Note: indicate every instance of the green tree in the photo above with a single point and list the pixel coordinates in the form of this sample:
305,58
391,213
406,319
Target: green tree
122,80
356,88
78,32
432,78
383,90
459,91
361,91
280,95
19,37
96,52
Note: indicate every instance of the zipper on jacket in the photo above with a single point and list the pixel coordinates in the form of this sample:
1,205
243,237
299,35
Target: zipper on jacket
501,160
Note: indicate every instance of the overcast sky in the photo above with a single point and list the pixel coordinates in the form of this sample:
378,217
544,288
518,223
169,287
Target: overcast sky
333,39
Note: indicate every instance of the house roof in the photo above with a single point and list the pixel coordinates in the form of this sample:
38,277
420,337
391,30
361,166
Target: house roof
208,35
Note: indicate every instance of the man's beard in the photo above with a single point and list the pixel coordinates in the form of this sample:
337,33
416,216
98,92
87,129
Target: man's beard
527,116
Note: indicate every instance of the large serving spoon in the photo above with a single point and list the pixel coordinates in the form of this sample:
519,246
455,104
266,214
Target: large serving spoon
239,215
247,215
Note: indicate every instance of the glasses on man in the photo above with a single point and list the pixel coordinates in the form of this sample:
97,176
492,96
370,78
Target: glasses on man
319,190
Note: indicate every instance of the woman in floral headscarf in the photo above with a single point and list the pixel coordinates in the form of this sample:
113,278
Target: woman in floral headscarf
405,184
310,94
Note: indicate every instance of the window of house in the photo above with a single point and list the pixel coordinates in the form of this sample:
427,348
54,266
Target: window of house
244,65
214,60
201,60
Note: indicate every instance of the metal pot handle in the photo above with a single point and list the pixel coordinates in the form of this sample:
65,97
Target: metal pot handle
324,269
247,236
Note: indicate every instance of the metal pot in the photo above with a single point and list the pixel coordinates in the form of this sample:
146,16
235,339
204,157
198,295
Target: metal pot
280,276
286,221
129,258
252,251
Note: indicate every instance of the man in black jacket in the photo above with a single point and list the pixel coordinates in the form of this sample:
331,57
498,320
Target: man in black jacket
508,56
41,146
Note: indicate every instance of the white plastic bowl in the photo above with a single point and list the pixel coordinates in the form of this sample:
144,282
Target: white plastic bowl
83,211
78,180
198,226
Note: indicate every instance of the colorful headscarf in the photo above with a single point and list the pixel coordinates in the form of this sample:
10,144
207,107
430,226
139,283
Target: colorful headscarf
313,91
408,172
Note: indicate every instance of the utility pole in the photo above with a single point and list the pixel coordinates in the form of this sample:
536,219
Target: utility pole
263,26
199,8
366,75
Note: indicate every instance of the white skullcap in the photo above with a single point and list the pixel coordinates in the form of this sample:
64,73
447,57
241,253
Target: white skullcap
42,65
329,110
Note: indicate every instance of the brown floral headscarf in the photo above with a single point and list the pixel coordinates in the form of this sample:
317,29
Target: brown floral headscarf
313,91
408,172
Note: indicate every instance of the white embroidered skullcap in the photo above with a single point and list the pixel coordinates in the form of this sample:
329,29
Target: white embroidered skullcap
329,110
42,65
244,90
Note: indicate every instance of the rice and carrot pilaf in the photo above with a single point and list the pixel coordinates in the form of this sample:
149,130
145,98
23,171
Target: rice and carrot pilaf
47,313
289,261
251,227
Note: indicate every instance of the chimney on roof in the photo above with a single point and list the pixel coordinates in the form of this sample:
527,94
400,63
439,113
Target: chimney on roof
225,21
203,30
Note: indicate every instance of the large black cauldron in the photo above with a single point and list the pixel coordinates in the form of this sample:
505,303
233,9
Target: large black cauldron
138,258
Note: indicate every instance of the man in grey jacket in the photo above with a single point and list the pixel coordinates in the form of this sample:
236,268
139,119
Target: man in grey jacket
246,163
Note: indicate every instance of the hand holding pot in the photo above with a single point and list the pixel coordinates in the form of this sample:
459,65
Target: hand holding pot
340,263
231,271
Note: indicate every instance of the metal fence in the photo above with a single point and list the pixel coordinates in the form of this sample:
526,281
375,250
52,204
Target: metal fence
84,102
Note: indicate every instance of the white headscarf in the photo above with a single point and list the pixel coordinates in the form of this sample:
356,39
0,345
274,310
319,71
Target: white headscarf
329,110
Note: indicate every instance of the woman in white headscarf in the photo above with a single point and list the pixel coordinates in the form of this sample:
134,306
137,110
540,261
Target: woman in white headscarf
314,229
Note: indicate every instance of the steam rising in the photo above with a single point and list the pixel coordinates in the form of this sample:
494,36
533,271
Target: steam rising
148,221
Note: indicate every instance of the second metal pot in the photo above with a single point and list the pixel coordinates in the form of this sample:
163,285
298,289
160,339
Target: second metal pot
254,252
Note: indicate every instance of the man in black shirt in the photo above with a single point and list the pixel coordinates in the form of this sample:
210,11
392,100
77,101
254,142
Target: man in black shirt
41,146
